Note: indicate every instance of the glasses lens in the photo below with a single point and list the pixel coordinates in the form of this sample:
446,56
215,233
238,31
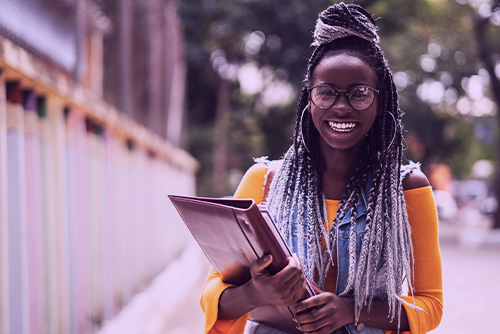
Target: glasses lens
361,97
323,96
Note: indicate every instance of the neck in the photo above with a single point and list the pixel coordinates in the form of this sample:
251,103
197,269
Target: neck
338,167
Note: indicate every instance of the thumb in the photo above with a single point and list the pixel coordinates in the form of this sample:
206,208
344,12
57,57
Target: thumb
261,264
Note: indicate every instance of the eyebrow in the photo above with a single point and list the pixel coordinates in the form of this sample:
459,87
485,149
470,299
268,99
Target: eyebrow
348,87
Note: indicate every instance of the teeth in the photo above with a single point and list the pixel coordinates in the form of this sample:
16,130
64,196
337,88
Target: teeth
342,127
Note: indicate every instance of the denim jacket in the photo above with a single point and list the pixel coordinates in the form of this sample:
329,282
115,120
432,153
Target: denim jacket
343,252
344,229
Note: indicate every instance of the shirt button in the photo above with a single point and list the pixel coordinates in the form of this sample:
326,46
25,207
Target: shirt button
360,327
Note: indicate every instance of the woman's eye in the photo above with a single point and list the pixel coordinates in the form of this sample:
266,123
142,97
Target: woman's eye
325,92
359,92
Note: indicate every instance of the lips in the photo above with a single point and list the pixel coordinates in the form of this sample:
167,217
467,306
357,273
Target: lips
342,126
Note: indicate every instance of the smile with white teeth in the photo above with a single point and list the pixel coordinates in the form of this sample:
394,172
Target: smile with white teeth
342,127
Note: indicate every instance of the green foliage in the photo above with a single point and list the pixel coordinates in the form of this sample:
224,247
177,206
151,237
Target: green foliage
459,134
277,126
246,140
200,146
407,30
225,24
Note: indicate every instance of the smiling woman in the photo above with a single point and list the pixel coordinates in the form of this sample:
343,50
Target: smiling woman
343,202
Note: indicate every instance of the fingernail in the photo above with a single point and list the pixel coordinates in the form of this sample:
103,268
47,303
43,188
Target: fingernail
267,257
293,318
298,327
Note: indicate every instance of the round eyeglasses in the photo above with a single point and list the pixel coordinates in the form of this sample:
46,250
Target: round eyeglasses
359,97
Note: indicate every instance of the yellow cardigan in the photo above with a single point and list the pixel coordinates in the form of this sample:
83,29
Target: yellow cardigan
428,287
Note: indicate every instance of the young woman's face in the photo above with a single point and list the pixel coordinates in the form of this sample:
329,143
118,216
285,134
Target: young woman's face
341,126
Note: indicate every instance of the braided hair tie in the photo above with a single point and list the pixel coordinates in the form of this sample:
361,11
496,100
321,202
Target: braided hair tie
341,20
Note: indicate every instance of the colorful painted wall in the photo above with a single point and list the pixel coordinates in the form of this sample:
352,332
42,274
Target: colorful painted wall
85,221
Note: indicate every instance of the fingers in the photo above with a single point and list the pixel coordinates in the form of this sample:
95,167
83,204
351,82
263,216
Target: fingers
323,313
296,289
286,287
296,258
316,290
292,271
323,326
311,303
315,321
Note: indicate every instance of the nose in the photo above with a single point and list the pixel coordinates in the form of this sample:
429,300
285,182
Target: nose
342,104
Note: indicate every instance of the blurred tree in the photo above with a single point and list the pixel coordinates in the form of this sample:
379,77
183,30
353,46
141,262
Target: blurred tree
446,59
261,47
487,48
245,58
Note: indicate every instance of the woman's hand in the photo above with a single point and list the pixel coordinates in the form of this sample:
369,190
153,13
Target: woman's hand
324,313
283,288
327,312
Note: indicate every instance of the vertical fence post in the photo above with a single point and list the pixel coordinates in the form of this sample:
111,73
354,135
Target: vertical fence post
128,205
77,217
73,215
16,201
122,210
101,194
33,214
4,258
110,219
96,224
50,248
47,217
55,109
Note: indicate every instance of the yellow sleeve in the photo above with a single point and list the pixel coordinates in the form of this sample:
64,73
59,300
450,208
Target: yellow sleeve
422,215
251,186
210,304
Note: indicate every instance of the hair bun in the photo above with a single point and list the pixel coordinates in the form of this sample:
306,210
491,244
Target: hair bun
341,20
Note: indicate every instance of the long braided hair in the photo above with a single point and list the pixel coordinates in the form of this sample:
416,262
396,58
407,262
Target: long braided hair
296,199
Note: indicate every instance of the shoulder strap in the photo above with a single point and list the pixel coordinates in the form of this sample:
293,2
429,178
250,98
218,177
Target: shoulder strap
272,168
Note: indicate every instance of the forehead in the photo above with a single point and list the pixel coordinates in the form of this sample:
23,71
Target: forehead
344,70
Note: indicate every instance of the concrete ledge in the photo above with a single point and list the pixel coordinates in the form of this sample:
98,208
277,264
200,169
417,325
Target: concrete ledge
469,236
476,237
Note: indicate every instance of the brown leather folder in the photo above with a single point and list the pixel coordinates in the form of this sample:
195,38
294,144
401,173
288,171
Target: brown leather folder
234,233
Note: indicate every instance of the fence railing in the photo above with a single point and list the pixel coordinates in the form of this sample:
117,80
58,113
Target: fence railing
85,221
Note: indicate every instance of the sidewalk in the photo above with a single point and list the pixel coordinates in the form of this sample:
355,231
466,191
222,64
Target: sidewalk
471,289
170,305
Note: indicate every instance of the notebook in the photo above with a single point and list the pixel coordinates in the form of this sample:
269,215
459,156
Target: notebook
233,234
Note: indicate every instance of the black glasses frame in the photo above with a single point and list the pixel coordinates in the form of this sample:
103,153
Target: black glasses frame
345,92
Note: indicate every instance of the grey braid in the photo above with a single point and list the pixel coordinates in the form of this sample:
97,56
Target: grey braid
296,197
343,20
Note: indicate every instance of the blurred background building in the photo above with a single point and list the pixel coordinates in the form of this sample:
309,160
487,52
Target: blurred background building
91,142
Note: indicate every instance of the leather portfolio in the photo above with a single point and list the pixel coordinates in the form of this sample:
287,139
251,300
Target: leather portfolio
233,234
